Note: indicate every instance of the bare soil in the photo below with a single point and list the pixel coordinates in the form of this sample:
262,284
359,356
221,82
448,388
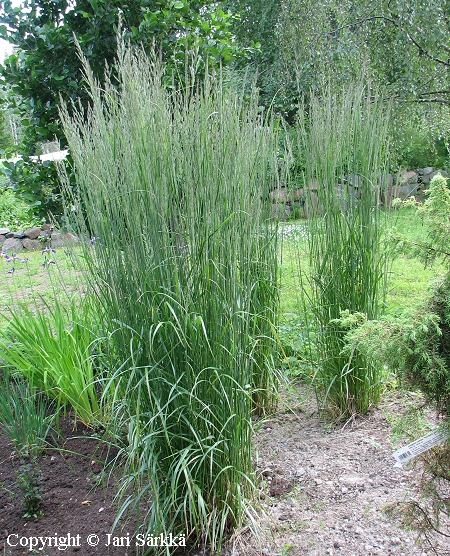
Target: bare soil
328,489
75,495
324,490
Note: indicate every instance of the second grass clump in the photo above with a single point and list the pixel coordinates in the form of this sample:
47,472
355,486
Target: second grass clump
344,142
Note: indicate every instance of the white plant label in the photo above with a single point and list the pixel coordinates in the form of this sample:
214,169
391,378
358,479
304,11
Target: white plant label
402,455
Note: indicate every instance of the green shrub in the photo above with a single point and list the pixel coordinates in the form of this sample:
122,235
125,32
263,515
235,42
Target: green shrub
15,213
36,182
426,338
419,136
416,346
418,151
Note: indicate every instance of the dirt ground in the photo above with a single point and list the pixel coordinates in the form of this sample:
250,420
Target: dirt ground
328,488
75,500
324,491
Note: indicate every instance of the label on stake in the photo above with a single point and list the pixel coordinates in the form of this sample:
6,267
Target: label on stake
402,455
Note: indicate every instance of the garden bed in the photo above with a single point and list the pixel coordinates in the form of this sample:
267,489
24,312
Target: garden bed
76,497
325,490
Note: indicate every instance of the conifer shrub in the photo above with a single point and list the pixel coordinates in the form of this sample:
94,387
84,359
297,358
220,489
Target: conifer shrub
416,346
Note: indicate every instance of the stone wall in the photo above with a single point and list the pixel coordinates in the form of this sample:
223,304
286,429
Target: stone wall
284,201
403,185
411,183
33,239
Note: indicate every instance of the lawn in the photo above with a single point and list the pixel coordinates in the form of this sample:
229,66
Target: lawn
407,280
30,275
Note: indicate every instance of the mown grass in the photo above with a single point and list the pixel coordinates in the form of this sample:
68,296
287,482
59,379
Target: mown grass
407,277
25,282
407,281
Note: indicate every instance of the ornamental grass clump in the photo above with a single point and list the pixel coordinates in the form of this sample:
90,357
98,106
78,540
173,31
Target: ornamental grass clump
26,419
24,415
344,142
173,189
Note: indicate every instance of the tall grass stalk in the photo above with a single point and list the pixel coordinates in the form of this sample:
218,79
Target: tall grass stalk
174,191
344,141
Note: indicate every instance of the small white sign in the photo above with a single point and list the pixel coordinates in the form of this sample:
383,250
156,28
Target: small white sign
402,455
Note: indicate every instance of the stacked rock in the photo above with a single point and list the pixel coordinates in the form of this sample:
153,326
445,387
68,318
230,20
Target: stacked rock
33,239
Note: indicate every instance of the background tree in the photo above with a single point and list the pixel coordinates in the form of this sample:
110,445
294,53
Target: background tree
404,43
6,138
404,46
45,66
256,24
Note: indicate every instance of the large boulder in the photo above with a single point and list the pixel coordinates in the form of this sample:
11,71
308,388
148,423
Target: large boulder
12,245
31,244
17,235
436,172
429,174
405,177
385,181
70,239
32,233
57,239
405,191
60,240
426,171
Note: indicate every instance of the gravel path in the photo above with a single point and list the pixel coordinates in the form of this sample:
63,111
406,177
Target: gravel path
326,489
